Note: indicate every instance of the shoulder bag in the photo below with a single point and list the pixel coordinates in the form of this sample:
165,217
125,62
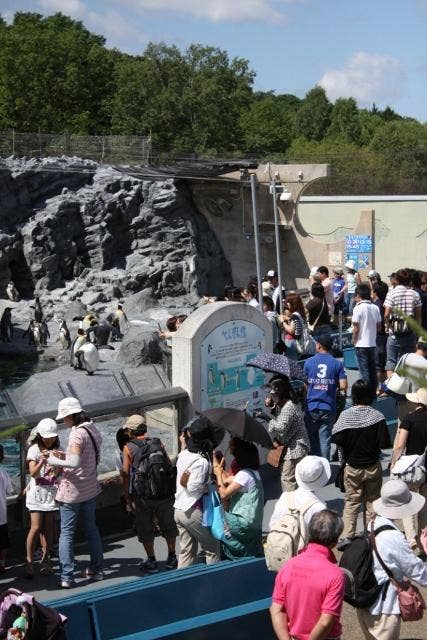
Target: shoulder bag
313,326
397,383
411,602
306,345
410,469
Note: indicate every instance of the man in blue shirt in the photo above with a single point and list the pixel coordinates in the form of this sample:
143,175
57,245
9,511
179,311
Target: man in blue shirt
324,375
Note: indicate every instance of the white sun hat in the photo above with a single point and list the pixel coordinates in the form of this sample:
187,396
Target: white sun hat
397,501
351,264
312,472
68,406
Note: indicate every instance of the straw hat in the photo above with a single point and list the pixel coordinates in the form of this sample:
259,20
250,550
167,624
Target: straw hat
419,397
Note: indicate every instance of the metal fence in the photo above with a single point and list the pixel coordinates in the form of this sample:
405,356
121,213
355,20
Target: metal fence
102,149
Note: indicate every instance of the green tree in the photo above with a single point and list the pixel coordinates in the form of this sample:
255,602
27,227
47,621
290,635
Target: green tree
345,124
314,115
268,125
54,76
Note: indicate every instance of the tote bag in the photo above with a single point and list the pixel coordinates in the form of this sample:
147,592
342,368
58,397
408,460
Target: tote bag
213,513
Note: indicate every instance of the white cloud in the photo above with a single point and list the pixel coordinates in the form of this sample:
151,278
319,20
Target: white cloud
221,10
73,8
367,78
114,27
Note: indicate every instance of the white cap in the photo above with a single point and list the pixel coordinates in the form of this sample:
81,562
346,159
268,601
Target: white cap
68,406
312,472
373,273
350,264
313,270
271,274
47,428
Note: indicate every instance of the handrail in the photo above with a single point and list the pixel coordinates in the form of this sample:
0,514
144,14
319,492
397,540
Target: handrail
95,409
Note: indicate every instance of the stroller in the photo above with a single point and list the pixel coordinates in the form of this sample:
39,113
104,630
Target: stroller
43,623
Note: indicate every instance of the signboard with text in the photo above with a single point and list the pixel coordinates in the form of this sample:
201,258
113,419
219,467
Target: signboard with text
226,381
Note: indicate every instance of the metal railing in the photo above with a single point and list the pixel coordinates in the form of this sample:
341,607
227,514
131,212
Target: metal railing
117,408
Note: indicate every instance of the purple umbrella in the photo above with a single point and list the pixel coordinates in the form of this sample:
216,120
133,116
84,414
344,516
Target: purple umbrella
275,363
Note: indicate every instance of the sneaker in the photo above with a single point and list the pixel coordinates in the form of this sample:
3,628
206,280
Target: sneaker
93,575
343,544
150,566
171,562
66,584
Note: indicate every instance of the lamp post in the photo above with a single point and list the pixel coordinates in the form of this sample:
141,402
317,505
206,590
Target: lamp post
277,237
256,238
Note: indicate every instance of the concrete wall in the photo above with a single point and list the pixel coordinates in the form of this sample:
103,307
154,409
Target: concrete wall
313,232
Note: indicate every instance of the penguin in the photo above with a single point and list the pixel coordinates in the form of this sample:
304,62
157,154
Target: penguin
6,326
78,342
89,357
64,335
38,311
12,292
37,334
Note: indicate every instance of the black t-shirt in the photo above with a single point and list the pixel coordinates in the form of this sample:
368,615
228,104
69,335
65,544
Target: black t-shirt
362,446
416,424
314,306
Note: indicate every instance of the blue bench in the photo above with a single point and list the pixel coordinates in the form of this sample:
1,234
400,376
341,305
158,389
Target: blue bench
239,622
165,605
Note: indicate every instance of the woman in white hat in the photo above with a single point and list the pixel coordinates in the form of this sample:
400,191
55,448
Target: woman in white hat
311,473
412,440
78,490
352,278
40,494
382,620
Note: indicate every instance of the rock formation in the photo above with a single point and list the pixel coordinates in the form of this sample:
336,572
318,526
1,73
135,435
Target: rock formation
122,234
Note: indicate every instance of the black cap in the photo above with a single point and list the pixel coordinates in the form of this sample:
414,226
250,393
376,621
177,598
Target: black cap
325,341
392,275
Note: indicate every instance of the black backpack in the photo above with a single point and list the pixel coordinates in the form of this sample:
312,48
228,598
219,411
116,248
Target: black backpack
361,586
153,476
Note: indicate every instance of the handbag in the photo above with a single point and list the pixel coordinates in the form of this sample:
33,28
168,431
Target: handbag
339,480
306,345
410,469
397,383
411,602
213,512
276,455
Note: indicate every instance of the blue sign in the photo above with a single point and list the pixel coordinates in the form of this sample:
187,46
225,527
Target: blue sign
360,244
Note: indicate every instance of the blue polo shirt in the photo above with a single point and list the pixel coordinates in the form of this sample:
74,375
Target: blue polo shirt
323,373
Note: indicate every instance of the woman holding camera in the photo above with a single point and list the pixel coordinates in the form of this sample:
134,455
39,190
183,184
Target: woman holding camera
194,467
287,429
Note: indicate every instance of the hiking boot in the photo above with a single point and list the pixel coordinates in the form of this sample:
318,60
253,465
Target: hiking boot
97,576
150,566
171,562
343,544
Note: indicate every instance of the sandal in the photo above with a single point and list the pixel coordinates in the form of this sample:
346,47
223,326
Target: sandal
46,567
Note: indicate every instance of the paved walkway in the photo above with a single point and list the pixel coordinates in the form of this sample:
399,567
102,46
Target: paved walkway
123,553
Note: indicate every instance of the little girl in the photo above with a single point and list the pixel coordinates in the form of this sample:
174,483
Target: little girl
41,492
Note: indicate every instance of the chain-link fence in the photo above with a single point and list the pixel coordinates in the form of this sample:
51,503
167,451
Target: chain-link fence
103,149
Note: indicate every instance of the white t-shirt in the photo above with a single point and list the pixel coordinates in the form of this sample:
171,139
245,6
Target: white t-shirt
5,488
367,316
41,491
246,479
301,496
199,469
253,303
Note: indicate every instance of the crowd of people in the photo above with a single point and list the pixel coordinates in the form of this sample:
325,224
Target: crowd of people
169,497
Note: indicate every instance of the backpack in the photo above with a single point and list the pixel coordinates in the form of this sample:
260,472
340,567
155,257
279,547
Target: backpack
152,472
357,560
288,536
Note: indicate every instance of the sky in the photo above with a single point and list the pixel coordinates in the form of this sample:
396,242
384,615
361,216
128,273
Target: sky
371,50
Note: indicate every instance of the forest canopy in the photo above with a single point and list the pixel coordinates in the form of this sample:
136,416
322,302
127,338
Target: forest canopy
57,77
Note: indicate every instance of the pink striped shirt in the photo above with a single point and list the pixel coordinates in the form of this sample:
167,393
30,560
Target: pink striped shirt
81,484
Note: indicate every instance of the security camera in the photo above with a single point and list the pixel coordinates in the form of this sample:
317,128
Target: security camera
300,176
286,196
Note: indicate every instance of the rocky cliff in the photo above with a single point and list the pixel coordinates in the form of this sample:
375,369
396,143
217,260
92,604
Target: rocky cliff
120,234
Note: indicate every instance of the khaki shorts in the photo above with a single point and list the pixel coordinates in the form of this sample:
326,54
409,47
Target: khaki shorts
152,515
